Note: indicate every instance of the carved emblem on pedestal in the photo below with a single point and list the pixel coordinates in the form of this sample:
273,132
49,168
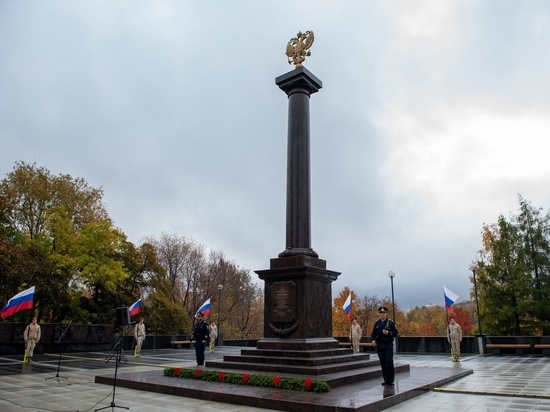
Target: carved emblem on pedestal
283,315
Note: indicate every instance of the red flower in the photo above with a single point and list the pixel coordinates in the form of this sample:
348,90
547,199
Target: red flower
308,382
177,372
245,378
198,373
276,380
220,376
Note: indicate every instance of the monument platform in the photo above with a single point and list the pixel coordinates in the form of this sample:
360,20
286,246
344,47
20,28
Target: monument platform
505,382
367,395
334,365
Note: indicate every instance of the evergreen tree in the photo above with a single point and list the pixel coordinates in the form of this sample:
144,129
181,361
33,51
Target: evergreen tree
513,274
534,228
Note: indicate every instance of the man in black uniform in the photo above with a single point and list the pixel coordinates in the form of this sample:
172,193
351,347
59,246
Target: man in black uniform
382,339
200,336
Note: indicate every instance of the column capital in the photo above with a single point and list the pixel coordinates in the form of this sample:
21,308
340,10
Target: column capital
300,77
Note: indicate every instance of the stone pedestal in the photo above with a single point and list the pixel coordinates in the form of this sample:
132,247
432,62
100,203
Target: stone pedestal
298,299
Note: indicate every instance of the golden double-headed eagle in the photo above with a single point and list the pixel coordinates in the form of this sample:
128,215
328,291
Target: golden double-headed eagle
297,48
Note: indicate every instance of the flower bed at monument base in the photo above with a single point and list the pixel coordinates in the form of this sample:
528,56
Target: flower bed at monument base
251,379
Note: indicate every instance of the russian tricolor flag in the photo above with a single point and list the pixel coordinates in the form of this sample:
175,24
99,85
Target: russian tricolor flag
205,308
450,298
21,301
135,309
347,306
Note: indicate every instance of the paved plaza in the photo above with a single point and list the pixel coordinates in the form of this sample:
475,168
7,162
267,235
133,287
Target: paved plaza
499,383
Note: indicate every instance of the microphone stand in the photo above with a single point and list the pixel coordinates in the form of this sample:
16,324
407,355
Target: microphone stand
60,351
118,354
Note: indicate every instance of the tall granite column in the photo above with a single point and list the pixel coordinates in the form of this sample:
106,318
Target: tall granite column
299,85
298,292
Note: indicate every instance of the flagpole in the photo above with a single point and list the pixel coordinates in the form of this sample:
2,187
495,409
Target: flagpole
446,311
447,322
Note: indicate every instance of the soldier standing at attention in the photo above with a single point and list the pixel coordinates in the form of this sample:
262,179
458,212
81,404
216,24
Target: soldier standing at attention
213,334
139,335
200,336
382,339
454,336
31,336
355,335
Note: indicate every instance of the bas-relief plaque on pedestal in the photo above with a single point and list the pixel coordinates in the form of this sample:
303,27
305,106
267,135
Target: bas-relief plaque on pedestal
283,295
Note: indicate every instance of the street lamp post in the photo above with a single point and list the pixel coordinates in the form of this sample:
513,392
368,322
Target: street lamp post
480,344
473,269
391,274
220,287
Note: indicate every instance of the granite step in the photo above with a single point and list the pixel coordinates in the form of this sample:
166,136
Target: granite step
317,361
289,368
297,353
335,379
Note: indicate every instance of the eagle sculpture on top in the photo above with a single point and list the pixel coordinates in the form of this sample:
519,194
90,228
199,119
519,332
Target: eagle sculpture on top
297,48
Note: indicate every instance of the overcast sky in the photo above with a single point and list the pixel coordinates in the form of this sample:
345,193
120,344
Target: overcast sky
433,117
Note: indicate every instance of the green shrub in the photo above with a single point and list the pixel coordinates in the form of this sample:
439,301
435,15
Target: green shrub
209,376
234,378
264,381
169,371
187,374
293,384
320,386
